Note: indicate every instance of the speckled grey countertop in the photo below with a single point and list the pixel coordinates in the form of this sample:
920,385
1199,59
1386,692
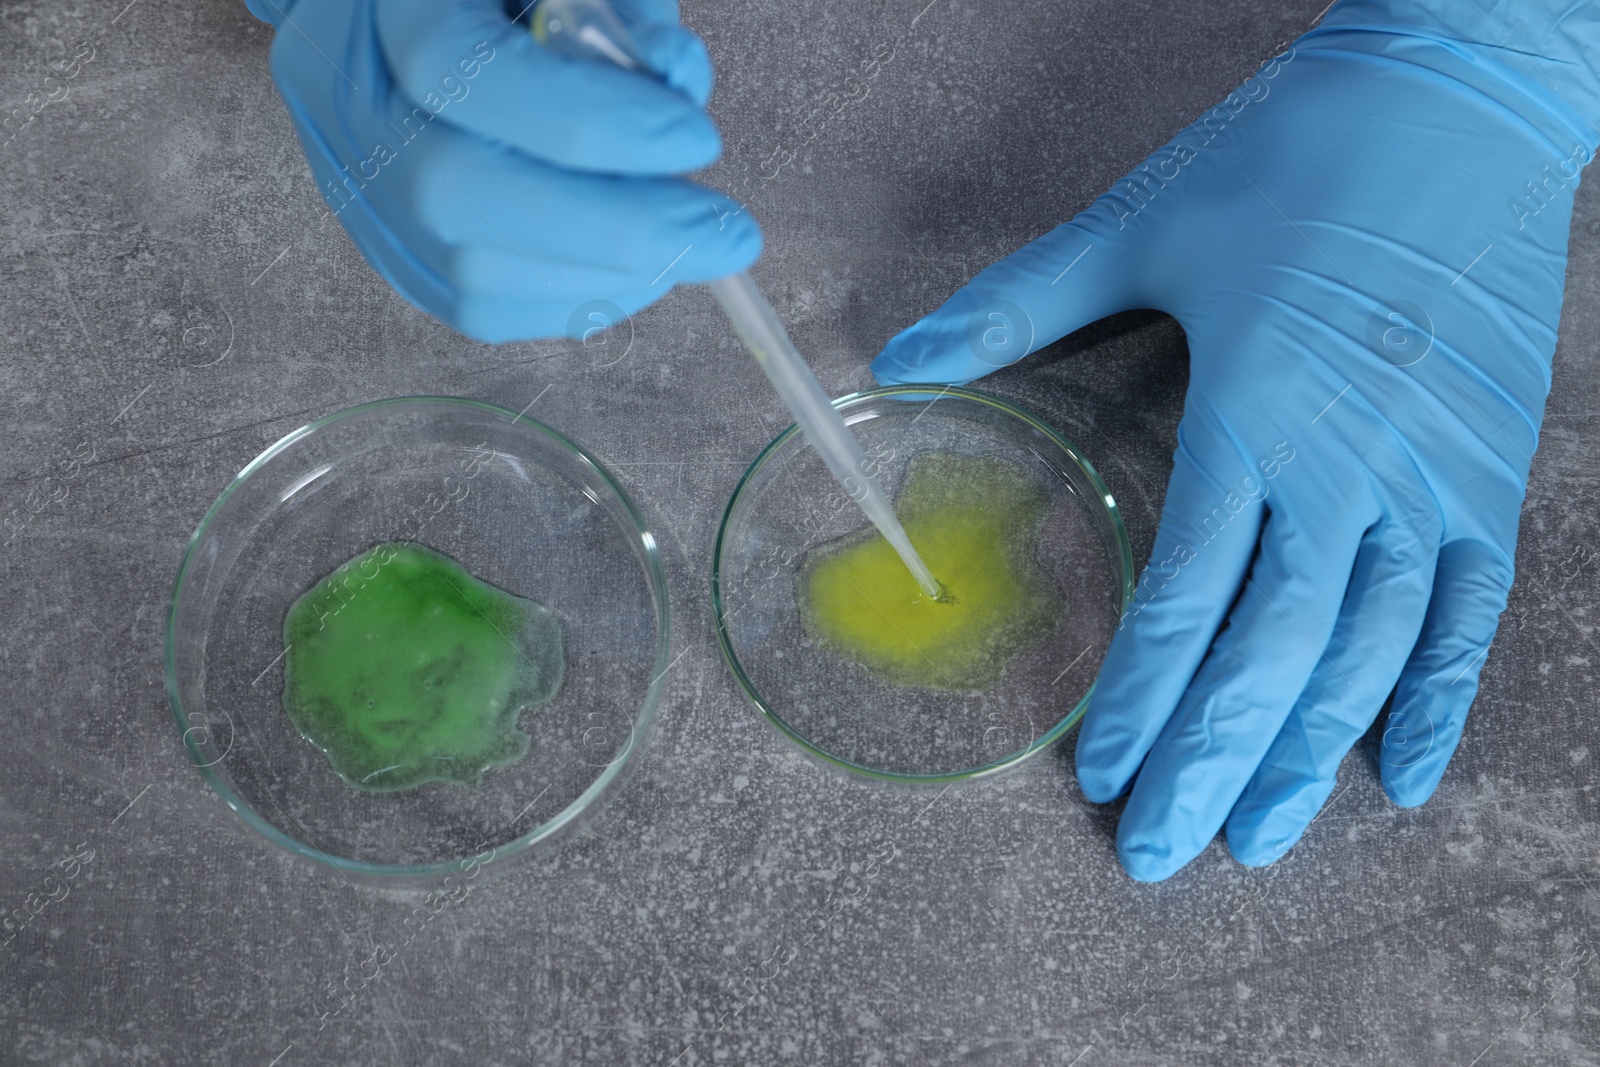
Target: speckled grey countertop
168,310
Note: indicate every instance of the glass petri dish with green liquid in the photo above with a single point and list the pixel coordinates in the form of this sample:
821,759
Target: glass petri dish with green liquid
417,638
828,635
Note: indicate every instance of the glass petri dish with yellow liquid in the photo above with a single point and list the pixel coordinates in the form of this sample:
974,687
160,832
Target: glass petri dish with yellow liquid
418,638
829,636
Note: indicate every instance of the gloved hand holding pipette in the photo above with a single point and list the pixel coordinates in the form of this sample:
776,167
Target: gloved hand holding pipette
498,187
620,76
1366,245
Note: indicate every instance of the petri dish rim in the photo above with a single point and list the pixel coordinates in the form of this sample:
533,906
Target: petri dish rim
523,844
1122,550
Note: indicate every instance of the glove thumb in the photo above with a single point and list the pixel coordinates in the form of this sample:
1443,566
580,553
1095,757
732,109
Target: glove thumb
1079,272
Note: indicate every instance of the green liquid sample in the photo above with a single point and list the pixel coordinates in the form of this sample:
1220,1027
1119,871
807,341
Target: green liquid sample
975,521
404,669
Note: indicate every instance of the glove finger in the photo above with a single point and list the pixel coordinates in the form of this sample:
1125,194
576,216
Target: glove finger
470,64
680,55
1251,678
504,248
275,12
649,231
1441,676
637,12
1081,271
495,318
1202,551
1377,628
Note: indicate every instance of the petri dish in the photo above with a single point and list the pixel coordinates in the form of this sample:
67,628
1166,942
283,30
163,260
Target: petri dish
520,507
787,504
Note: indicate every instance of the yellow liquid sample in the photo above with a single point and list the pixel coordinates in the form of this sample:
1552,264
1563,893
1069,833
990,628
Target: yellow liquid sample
975,520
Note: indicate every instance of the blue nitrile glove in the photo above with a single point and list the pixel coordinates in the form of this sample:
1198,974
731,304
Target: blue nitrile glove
498,187
1365,245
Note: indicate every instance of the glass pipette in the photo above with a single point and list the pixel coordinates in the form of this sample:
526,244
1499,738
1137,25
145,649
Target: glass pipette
589,29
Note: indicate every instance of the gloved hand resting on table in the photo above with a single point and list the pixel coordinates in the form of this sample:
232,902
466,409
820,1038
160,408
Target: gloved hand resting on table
496,186
1365,245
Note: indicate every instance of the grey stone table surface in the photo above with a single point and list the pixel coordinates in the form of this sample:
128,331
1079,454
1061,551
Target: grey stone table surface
168,311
